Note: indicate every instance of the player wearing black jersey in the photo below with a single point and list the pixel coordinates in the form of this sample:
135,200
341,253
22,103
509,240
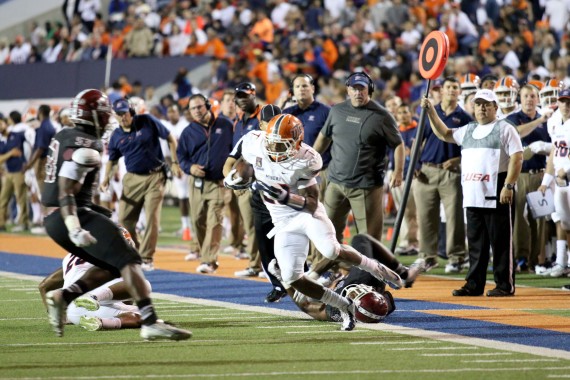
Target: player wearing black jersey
86,230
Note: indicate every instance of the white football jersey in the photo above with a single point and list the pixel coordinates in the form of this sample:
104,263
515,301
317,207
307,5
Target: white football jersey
561,140
293,174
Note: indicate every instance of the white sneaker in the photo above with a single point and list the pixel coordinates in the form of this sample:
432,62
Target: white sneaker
559,271
262,274
161,330
348,319
383,273
91,323
87,302
192,256
148,266
229,250
19,228
541,270
206,268
56,311
247,272
453,268
38,230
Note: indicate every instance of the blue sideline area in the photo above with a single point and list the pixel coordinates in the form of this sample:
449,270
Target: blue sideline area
252,293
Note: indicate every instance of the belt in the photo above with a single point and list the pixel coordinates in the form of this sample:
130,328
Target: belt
534,171
432,165
158,169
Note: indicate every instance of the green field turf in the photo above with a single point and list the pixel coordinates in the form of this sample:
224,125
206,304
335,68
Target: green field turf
238,343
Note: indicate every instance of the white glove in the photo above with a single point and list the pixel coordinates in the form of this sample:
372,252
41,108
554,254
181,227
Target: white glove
540,147
81,237
299,297
234,181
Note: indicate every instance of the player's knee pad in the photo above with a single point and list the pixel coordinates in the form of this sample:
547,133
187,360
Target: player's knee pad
330,249
290,275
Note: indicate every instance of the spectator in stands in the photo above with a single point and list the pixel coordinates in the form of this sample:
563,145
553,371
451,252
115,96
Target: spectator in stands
139,41
88,10
21,51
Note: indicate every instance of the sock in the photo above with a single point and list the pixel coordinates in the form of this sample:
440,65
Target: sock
561,252
37,213
111,323
148,315
74,290
334,299
102,294
367,264
185,222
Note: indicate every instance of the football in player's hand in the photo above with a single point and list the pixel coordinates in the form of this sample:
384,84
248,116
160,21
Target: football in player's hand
244,170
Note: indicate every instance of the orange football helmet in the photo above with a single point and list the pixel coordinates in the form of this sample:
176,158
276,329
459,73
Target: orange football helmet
549,93
507,89
283,137
536,83
469,83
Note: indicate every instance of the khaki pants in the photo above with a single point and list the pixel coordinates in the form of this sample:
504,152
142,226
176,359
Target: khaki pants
434,186
244,203
142,191
14,184
527,231
409,229
206,208
233,214
366,205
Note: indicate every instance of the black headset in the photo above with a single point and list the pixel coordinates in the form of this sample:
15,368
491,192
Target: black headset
207,103
131,107
310,78
370,81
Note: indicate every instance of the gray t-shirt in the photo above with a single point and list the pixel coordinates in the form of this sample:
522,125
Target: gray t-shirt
360,137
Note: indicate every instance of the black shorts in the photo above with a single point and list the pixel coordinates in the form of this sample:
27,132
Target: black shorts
111,252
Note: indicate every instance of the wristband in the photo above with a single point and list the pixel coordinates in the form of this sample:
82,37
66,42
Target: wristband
296,202
72,223
547,180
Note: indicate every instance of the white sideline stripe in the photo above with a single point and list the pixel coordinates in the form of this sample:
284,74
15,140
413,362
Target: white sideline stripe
301,374
559,376
419,333
326,332
474,354
20,299
435,348
24,289
290,327
230,318
510,361
100,343
395,342
20,319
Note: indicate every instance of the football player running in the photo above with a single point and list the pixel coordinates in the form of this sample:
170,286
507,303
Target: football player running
86,230
285,171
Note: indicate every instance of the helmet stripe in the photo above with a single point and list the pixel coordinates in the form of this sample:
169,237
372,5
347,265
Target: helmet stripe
277,124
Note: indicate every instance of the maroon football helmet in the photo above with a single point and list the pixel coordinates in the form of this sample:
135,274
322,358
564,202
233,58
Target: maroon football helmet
371,306
91,108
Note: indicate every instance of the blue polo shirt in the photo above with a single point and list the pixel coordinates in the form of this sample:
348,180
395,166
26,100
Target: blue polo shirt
204,146
140,146
13,140
243,125
44,134
540,133
313,119
437,151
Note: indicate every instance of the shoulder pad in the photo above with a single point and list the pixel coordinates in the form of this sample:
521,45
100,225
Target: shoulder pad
86,157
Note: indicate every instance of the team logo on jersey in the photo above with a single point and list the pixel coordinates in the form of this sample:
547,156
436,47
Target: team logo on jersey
312,118
258,162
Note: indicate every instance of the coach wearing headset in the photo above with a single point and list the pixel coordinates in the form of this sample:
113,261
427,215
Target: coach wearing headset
360,131
202,150
137,140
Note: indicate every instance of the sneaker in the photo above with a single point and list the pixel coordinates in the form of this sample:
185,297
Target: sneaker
87,302
413,272
453,268
465,265
262,274
406,251
230,250
348,319
207,268
19,228
186,235
566,287
247,272
275,295
38,230
56,310
191,256
465,292
559,271
147,266
383,273
160,330
542,270
241,255
90,323
499,293
427,264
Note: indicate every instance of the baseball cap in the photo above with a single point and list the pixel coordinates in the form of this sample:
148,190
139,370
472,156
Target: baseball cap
487,95
437,84
564,94
121,106
247,87
268,111
358,79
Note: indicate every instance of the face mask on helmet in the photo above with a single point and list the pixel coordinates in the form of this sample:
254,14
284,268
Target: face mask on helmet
549,93
506,90
469,84
91,109
283,137
371,306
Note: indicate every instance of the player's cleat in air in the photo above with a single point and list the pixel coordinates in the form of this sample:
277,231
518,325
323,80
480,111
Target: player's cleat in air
56,310
87,302
161,330
348,319
91,323
383,273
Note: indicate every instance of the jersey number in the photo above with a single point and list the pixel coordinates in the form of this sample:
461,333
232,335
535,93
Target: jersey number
51,162
73,262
